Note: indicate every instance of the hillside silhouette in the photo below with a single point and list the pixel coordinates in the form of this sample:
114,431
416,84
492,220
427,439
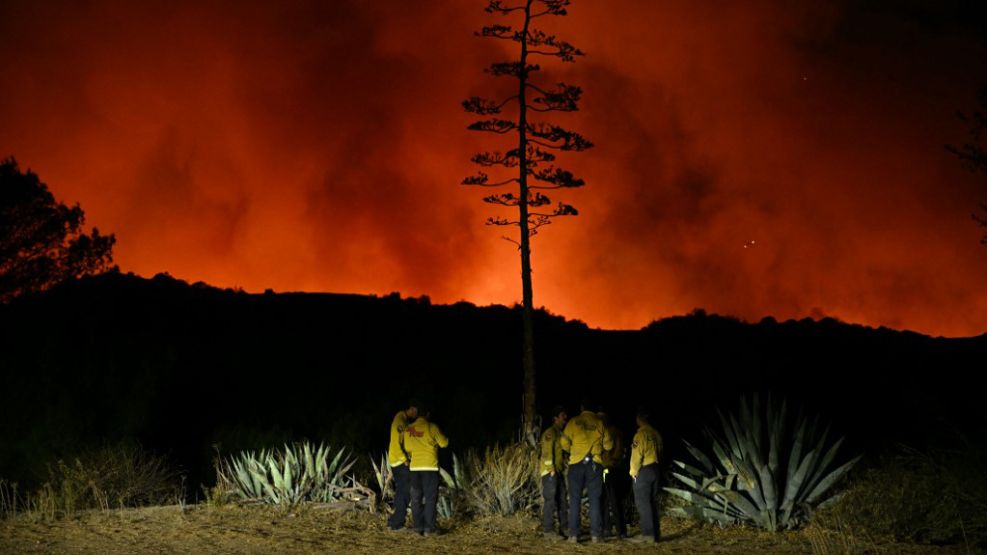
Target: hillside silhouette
186,369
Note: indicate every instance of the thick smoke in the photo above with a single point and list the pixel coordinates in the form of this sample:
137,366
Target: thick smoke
771,158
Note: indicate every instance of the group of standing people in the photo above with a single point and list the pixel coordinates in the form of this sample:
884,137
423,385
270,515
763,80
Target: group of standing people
413,455
595,452
577,455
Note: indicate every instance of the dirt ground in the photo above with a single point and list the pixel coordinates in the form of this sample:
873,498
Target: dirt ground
232,529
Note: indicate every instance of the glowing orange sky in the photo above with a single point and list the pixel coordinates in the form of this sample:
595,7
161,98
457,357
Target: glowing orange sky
319,147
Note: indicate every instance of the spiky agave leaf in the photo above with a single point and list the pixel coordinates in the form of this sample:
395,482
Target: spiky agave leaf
702,513
700,456
723,458
769,508
451,489
258,478
796,488
694,484
319,464
747,480
333,469
458,470
824,463
745,439
730,434
692,496
743,505
276,476
829,480
447,479
691,470
777,428
308,469
385,480
706,500
242,479
338,478
289,471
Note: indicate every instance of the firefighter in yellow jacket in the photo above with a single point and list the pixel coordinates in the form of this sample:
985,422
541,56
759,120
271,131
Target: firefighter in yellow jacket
613,481
645,456
397,459
422,440
553,476
586,438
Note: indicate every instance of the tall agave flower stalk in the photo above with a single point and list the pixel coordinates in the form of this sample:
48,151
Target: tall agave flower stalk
287,477
762,472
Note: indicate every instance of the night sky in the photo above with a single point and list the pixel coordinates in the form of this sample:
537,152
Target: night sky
752,158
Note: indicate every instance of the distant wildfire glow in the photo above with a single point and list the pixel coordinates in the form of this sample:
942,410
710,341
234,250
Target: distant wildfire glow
318,146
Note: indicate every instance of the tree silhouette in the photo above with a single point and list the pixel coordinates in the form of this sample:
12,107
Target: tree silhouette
972,154
530,163
41,240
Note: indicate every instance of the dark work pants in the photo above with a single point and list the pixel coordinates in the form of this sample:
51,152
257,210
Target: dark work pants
588,475
402,495
646,500
613,502
553,494
424,497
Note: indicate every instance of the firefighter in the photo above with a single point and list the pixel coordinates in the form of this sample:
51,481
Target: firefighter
422,440
586,438
613,481
397,459
646,451
553,476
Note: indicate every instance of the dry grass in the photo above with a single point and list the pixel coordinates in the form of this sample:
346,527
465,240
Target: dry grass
502,481
893,509
316,529
932,497
9,499
838,542
112,477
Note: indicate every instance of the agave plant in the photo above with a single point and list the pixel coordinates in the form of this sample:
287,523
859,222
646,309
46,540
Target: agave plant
329,478
451,490
287,477
762,472
385,480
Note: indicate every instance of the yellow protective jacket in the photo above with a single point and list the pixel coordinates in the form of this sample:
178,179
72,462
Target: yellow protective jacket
612,457
396,456
646,448
422,440
552,455
586,435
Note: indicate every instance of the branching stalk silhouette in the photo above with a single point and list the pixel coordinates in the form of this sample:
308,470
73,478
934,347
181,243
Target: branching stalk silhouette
972,154
529,168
